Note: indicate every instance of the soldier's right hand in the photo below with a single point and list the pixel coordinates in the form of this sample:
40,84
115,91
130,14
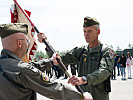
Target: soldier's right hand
41,36
87,96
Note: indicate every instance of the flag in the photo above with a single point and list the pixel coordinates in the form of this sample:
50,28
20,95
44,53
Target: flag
18,15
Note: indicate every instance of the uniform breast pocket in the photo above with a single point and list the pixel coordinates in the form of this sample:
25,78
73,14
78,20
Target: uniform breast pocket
94,62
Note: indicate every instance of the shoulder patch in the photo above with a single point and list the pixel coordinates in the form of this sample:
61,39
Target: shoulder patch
44,77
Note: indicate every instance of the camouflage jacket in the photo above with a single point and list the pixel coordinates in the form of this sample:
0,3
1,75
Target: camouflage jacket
21,81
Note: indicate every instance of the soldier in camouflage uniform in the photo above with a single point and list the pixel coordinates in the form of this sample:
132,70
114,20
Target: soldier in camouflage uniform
95,62
21,81
73,68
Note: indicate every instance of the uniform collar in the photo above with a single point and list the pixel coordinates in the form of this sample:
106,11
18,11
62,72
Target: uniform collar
7,53
95,49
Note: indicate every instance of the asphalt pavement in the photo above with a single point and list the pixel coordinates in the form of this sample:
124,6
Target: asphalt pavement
120,89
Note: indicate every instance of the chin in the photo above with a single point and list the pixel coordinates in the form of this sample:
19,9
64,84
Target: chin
87,41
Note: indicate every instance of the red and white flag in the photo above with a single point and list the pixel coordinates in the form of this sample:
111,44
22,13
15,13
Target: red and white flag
18,15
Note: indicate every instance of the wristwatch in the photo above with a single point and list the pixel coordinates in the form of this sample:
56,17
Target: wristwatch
84,79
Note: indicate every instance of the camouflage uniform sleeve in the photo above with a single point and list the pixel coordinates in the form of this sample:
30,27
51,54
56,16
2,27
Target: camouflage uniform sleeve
34,79
105,69
69,57
72,56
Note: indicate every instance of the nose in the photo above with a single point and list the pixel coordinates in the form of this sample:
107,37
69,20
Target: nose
86,33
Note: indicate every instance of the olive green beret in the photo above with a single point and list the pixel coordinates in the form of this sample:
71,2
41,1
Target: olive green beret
11,28
88,21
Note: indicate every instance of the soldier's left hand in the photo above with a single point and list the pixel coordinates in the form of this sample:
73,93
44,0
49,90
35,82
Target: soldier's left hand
74,80
41,36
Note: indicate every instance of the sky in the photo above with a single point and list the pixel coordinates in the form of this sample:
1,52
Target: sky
62,20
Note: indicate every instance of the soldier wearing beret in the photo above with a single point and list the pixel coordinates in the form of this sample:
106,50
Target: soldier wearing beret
95,62
21,81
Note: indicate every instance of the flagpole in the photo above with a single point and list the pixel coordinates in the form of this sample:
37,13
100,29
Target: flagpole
50,48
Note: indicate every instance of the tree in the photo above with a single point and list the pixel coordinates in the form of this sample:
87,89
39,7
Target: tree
132,46
41,54
44,55
129,46
111,47
118,48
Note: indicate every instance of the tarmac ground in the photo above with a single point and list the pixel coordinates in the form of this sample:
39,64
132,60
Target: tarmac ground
120,89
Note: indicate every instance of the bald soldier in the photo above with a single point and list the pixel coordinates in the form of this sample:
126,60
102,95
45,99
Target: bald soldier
95,62
21,81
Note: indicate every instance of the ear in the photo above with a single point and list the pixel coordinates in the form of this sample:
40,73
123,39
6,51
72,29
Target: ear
19,43
98,31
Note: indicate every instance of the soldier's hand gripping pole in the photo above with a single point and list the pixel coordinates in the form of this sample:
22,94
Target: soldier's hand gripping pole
59,61
49,47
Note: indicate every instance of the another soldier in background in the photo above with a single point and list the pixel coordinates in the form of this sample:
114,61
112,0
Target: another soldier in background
21,81
56,69
73,69
118,65
113,76
65,77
